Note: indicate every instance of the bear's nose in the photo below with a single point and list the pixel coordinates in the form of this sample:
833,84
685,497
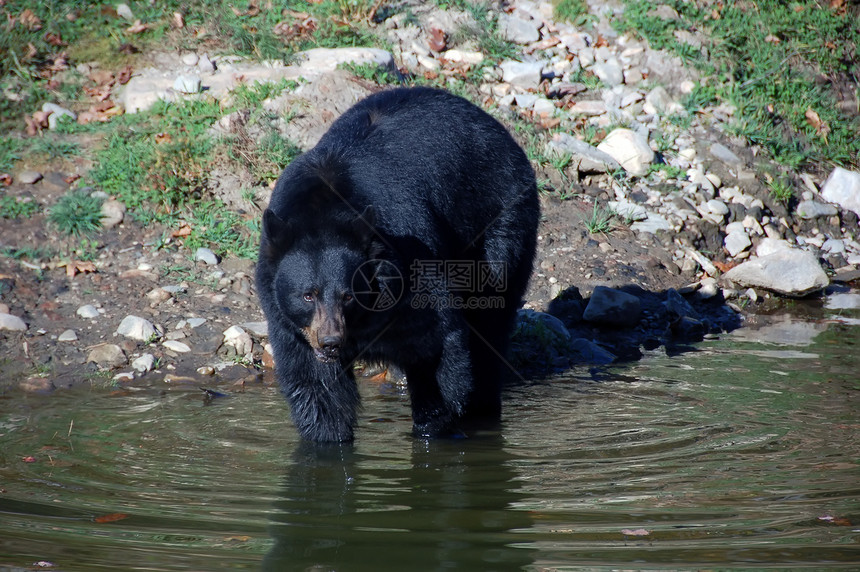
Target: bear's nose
330,343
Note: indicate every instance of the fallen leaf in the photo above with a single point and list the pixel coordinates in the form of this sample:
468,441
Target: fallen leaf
73,267
814,121
237,538
113,517
162,138
724,266
178,20
29,459
72,178
124,75
183,230
6,179
54,39
437,40
29,20
601,42
636,532
137,27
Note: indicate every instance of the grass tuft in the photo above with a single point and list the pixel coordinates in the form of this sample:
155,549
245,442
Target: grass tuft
77,213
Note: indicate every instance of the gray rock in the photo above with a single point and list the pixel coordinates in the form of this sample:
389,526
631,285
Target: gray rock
725,155
87,312
586,351
123,11
205,65
239,339
29,177
12,323
526,75
321,60
190,59
107,356
612,307
57,112
587,107
144,363
609,72
187,83
770,245
790,272
677,306
259,329
206,256
813,209
653,224
630,149
67,336
196,322
586,158
518,30
137,328
660,102
113,213
843,188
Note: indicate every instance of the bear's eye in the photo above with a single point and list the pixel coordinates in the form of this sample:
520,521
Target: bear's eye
347,297
308,297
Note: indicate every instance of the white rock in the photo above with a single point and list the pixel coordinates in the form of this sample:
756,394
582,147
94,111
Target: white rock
190,59
725,155
658,101
12,323
585,157
790,272
843,188
543,106
517,30
609,72
737,242
653,224
259,329
526,75
462,56
239,339
123,11
205,65
833,246
57,112
525,100
629,210
176,346
144,363
187,83
770,245
630,149
718,207
113,213
206,256
196,322
107,356
87,312
137,328
587,107
67,336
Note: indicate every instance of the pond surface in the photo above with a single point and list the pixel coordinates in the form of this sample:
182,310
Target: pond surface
742,454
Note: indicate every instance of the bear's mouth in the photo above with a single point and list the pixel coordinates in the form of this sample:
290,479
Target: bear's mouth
326,355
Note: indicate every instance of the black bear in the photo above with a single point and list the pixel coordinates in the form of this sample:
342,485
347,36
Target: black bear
405,236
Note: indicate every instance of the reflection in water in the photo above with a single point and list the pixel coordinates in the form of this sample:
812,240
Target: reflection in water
449,507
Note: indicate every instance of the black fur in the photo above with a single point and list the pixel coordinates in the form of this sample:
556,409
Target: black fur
406,175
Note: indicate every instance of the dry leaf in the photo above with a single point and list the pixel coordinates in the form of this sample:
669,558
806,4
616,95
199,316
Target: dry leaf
821,127
178,20
161,138
113,517
183,230
137,27
770,38
124,75
74,267
29,20
54,39
72,178
437,40
6,179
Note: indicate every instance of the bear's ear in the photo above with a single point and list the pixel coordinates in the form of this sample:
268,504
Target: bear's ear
276,237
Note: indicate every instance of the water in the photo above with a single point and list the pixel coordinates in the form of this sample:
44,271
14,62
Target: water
741,454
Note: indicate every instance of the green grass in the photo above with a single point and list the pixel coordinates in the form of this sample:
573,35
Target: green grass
12,208
775,62
781,190
77,213
600,220
54,149
569,10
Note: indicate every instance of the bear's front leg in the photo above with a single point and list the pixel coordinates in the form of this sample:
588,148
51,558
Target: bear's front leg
323,399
